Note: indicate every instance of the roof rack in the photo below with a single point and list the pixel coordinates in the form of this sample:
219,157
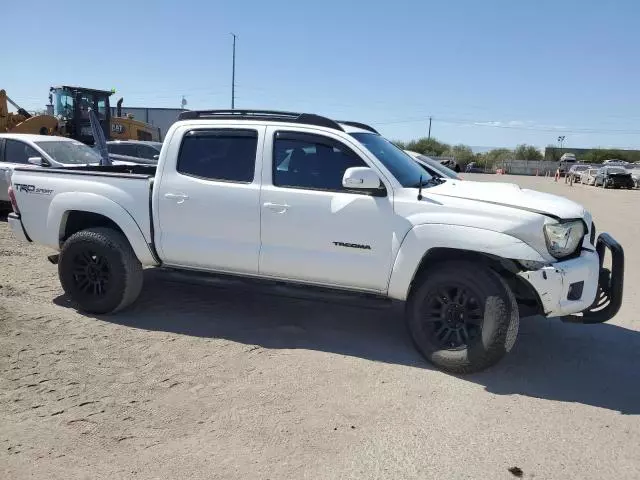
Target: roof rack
268,115
363,126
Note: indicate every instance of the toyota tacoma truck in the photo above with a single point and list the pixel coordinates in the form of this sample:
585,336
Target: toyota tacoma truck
303,199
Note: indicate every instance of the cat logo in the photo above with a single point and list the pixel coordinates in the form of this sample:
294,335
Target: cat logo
117,128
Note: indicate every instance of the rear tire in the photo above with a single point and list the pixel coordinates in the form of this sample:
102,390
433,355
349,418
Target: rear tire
462,317
99,271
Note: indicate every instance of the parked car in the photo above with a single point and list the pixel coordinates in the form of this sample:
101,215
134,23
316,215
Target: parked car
575,172
303,199
432,166
136,151
588,177
615,161
451,165
616,177
24,150
635,175
473,167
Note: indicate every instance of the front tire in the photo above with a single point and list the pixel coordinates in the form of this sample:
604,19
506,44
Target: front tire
99,271
462,317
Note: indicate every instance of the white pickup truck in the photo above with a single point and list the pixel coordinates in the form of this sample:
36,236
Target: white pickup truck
304,199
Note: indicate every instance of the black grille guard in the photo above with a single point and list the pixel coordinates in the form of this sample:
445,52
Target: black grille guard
610,282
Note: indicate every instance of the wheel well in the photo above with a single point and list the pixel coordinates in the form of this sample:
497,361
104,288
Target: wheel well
77,220
528,300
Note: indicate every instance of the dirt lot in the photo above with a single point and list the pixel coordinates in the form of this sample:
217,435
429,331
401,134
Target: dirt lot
215,382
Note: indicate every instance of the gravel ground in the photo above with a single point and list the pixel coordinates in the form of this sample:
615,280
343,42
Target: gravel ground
212,382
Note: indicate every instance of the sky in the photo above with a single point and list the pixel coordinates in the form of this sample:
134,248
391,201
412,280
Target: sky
489,73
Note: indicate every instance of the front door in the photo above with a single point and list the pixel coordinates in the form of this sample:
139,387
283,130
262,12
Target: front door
16,154
313,230
207,200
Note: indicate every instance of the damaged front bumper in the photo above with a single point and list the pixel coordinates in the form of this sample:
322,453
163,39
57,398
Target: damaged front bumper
580,289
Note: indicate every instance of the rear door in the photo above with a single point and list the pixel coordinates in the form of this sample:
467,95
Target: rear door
207,199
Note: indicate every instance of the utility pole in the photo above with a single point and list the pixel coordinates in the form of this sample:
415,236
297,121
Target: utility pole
430,128
233,74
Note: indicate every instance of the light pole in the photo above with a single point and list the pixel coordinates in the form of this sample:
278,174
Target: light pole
233,74
561,141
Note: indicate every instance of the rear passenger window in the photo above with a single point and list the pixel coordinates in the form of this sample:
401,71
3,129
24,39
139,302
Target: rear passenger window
228,155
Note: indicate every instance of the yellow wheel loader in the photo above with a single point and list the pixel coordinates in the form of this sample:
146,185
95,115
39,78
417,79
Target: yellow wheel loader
22,121
71,106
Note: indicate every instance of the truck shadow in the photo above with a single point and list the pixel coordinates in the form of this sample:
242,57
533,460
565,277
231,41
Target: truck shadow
589,364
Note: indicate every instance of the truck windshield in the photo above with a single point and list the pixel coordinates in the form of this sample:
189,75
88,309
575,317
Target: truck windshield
401,165
64,103
72,153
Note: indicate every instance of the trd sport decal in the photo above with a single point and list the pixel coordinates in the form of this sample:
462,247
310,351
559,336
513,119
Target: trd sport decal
352,245
21,187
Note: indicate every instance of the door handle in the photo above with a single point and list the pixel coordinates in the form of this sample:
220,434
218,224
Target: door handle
276,207
180,197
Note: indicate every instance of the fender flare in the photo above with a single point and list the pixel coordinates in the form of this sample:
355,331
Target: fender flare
66,202
422,238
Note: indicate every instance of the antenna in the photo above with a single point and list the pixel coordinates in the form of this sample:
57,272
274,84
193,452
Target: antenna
420,189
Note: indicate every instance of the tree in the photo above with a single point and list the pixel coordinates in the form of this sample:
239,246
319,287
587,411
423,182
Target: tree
400,144
599,155
494,157
527,152
462,154
427,146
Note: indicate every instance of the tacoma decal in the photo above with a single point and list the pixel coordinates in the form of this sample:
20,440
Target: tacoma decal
21,187
352,245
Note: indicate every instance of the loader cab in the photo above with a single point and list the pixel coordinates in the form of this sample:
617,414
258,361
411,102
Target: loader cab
71,106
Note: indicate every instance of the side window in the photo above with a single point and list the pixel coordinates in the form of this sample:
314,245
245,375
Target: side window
128,149
18,152
228,155
115,148
311,161
145,151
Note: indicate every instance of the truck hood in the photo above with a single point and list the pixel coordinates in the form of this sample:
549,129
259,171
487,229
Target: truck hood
511,195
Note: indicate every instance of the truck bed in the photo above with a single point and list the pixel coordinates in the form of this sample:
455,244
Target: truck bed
47,196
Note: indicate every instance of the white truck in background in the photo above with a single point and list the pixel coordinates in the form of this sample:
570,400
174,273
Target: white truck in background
304,199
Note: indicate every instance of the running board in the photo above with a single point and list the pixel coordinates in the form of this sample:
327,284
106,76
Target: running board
280,288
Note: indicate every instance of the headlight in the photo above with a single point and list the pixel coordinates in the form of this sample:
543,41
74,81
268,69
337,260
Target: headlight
563,238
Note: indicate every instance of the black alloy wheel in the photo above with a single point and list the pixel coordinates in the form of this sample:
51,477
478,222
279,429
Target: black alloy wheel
99,270
91,273
452,316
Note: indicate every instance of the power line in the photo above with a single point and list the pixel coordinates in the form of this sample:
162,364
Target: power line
494,124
